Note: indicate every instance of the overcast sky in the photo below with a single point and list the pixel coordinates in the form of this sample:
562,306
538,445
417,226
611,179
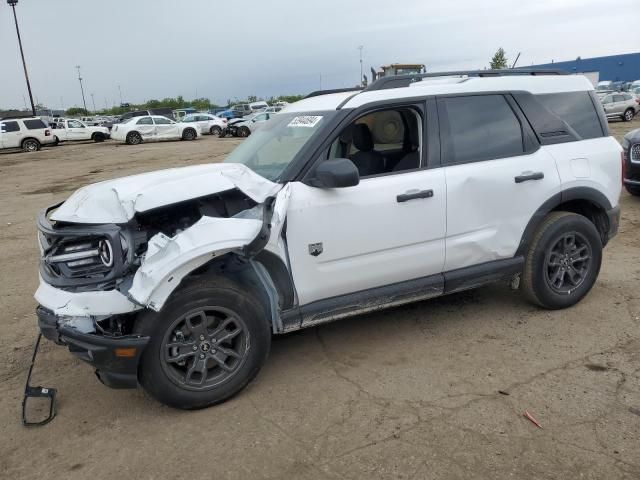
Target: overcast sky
221,50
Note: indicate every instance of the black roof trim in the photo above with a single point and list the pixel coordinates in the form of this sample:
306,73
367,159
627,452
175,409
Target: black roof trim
400,81
19,117
317,93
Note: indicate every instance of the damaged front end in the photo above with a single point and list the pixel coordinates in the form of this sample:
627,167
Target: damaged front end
116,248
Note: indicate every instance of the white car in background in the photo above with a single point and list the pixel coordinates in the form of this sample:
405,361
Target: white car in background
153,128
207,122
71,129
27,133
246,127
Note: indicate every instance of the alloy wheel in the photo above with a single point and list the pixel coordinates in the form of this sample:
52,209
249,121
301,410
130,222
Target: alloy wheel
568,263
204,348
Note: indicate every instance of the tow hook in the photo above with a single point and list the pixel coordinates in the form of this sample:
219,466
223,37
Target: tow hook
37,392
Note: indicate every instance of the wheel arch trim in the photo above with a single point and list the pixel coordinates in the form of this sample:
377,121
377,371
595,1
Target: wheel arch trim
586,194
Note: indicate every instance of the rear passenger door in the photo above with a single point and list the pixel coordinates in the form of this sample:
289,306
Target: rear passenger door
496,175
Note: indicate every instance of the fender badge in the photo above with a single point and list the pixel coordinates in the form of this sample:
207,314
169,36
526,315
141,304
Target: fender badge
315,249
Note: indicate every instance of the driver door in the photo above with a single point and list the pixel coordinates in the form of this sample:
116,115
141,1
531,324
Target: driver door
76,130
389,228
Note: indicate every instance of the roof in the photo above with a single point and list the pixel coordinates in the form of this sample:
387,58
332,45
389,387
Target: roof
535,84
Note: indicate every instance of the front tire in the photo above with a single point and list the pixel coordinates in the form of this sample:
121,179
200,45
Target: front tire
207,343
133,138
628,115
30,145
563,261
189,134
244,132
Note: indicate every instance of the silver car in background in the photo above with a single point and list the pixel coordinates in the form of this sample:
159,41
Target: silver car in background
620,105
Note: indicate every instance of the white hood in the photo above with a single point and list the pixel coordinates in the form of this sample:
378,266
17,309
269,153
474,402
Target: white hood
117,201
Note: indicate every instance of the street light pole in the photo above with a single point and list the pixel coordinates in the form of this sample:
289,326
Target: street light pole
24,64
120,91
82,89
361,47
94,104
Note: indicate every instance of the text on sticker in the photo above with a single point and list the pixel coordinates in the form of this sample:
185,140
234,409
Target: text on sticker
308,121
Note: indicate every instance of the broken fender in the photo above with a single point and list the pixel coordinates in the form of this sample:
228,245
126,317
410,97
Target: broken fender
169,260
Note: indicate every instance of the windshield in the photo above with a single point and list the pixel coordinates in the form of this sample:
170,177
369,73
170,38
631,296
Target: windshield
269,150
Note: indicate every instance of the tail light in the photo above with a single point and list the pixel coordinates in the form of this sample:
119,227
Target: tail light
47,132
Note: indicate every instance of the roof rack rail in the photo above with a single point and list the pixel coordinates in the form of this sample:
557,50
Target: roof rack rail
317,93
17,117
399,81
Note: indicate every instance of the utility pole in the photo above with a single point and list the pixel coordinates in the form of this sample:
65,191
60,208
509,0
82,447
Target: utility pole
120,90
94,104
361,47
13,3
82,89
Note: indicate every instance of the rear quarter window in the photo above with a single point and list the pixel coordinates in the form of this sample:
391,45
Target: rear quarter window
7,127
577,110
34,124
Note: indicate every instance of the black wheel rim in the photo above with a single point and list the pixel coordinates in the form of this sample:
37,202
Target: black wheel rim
204,348
188,135
135,138
568,262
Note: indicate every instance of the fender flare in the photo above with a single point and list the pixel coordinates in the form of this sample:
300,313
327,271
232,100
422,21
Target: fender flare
591,195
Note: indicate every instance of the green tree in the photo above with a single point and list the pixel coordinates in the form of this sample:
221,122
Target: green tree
499,60
73,111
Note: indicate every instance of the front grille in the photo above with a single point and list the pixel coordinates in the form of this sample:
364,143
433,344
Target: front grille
85,258
635,153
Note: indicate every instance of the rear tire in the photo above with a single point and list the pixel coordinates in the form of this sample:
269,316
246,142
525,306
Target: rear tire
628,115
189,134
215,130
98,137
30,145
134,138
56,141
563,261
635,191
188,363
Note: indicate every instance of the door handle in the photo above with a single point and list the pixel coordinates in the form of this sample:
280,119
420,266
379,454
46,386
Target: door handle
413,195
526,176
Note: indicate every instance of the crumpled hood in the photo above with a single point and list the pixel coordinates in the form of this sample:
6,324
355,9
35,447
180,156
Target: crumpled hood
117,201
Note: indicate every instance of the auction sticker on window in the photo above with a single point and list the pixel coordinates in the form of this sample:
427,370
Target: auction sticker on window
307,121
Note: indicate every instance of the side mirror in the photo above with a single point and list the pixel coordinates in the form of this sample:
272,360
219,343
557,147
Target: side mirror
336,173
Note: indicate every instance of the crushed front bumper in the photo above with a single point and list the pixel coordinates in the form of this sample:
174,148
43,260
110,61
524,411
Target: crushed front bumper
115,358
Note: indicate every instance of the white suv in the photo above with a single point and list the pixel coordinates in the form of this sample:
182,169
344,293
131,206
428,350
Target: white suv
343,203
27,133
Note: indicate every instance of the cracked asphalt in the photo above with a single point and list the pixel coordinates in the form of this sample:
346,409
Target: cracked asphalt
408,393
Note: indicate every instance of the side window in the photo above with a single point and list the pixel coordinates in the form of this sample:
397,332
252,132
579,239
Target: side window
8,127
34,124
608,99
382,142
575,108
618,98
145,121
162,121
75,124
480,127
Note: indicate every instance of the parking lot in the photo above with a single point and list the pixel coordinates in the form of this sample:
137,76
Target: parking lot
435,389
